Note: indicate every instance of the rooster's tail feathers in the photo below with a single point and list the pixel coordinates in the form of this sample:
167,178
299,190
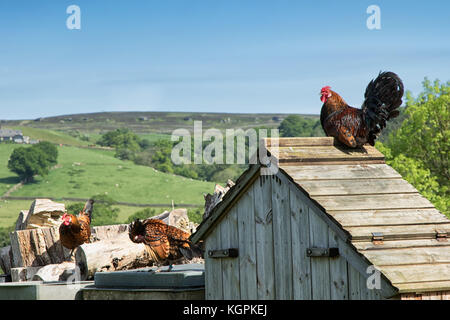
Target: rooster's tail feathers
88,208
383,97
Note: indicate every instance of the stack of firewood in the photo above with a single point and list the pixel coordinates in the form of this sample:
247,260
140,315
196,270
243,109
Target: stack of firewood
36,253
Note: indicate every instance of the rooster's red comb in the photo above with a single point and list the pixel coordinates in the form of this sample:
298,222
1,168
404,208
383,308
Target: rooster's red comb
326,88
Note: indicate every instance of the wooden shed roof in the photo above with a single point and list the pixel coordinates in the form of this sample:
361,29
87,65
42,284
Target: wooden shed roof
364,196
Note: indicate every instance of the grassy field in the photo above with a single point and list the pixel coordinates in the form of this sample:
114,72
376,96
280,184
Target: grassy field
82,173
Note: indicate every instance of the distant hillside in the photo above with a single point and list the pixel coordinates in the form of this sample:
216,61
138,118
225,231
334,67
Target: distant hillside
151,122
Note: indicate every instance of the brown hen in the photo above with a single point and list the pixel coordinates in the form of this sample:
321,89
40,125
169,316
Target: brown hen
76,230
167,242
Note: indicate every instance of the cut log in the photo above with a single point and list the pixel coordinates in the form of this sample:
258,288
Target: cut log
21,220
37,247
43,213
5,259
40,247
23,274
108,232
56,272
111,255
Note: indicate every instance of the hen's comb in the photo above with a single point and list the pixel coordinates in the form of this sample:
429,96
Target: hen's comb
326,88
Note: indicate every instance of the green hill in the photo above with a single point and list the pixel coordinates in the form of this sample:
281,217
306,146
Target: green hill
82,173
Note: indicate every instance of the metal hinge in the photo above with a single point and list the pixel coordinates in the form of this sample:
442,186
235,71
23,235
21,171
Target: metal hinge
223,253
377,237
441,235
322,252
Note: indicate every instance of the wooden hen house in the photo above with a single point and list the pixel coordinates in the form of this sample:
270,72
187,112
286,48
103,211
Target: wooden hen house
331,223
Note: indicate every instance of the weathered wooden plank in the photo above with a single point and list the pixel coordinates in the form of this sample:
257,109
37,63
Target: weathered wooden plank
247,246
445,295
354,258
388,217
338,271
318,153
357,187
327,162
301,265
442,286
300,141
213,268
264,238
431,296
410,296
409,256
354,288
312,206
230,266
416,273
361,264
282,239
364,291
373,202
398,244
374,294
336,172
345,250
421,231
320,267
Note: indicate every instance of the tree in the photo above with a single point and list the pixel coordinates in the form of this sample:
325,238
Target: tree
126,143
419,149
49,150
298,126
28,162
425,134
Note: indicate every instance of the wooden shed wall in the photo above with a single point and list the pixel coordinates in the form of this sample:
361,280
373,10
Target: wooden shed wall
272,228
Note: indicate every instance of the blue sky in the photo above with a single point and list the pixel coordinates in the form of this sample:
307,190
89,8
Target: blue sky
196,55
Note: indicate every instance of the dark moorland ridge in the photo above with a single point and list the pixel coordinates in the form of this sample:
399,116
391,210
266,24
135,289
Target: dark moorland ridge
157,122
